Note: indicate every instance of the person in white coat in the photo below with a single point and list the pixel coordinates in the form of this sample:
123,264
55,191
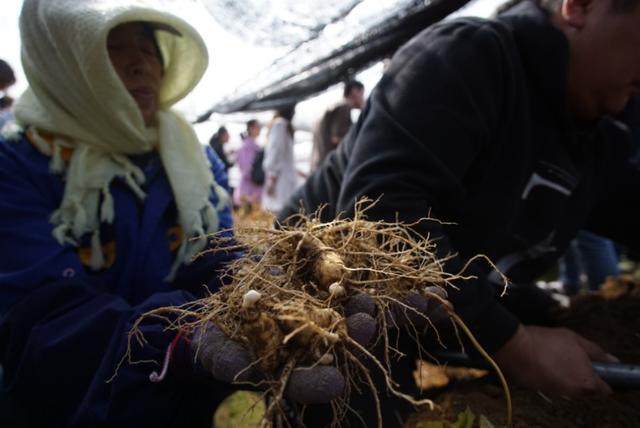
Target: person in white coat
281,177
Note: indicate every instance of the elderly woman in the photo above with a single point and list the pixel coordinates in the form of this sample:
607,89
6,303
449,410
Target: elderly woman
102,193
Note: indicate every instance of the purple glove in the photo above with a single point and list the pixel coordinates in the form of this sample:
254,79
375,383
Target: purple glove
225,359
230,362
414,308
418,307
361,325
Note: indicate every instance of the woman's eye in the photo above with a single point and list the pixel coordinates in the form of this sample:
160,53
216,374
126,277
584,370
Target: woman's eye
148,49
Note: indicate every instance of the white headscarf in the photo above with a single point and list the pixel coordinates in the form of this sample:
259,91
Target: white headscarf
76,94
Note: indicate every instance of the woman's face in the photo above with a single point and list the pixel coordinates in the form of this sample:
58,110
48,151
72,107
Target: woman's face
254,130
135,57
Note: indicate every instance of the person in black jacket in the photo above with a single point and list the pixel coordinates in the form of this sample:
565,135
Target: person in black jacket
217,142
501,129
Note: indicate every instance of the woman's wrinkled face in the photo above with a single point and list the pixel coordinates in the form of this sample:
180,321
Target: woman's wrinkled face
135,57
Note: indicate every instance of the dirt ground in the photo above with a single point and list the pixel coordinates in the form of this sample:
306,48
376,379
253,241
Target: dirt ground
532,410
614,324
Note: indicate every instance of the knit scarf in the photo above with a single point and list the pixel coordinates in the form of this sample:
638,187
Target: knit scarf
75,94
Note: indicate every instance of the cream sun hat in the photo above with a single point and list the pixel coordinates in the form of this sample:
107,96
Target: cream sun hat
75,94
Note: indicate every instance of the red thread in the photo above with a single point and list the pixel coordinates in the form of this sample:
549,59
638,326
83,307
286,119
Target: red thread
154,376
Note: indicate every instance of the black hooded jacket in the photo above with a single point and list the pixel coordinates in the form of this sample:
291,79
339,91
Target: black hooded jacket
469,125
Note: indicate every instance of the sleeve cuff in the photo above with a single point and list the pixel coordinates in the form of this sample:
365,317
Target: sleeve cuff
492,328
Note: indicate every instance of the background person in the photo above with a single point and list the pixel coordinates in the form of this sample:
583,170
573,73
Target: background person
217,142
281,176
589,254
7,79
6,102
248,192
335,122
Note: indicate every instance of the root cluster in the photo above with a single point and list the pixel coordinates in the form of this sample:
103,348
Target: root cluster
285,299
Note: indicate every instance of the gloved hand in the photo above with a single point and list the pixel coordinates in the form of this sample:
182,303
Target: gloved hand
230,362
417,308
226,359
412,309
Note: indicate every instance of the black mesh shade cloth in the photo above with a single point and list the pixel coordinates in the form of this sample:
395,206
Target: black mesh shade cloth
325,41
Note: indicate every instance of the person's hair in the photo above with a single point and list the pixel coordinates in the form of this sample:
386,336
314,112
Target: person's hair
350,86
285,112
6,102
7,76
150,32
221,130
215,138
616,6
251,123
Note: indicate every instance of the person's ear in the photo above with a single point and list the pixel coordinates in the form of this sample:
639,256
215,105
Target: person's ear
574,12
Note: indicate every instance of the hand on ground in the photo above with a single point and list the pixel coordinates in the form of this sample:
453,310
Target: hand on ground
554,361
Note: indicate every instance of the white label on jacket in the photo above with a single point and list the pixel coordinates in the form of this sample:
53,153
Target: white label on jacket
537,180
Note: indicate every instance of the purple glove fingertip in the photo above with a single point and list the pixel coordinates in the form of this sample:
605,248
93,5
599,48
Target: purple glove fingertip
315,385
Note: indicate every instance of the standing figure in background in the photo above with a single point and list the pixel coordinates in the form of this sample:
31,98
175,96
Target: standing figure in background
217,141
248,191
7,78
279,163
591,254
5,110
335,122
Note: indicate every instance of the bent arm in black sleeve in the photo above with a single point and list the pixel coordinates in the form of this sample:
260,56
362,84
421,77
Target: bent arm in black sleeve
435,110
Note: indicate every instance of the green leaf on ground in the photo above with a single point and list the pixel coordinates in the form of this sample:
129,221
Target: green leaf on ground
465,419
242,409
430,424
485,423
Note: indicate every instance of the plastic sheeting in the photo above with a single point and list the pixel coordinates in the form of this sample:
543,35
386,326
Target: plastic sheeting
327,41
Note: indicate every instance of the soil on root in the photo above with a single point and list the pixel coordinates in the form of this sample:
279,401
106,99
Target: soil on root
614,324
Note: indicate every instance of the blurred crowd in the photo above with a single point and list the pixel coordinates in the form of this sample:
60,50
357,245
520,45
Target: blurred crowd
269,172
